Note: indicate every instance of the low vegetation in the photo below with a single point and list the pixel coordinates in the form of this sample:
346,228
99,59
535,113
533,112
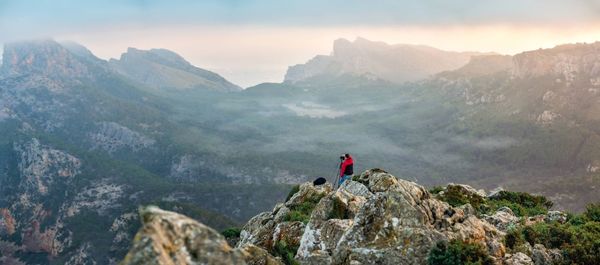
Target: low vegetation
521,203
301,212
286,252
578,238
456,252
455,196
232,232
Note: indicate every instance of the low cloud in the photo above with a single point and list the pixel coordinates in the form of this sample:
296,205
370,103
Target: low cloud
486,143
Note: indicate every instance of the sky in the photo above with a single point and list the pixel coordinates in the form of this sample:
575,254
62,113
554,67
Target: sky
254,41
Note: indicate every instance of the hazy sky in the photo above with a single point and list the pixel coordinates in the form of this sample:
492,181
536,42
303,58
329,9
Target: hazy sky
254,41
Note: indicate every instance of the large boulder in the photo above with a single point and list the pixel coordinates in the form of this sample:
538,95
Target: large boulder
168,238
171,238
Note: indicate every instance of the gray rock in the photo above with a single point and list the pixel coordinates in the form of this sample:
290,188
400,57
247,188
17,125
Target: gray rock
258,231
518,259
543,256
258,256
468,190
556,216
503,219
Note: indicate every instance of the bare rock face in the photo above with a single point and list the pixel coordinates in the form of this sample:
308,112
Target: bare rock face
566,62
42,166
171,238
112,137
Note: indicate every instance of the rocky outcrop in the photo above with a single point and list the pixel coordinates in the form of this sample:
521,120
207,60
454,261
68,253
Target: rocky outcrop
171,238
373,219
41,166
112,137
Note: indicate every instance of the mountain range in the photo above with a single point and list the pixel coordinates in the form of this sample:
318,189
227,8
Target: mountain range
396,63
85,140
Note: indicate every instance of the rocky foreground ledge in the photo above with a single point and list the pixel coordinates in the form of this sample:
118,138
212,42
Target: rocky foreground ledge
374,219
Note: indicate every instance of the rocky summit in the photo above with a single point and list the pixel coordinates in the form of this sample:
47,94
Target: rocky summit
375,218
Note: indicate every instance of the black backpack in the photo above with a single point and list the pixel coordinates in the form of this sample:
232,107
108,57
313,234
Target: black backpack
319,181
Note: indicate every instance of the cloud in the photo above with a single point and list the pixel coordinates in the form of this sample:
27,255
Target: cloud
57,15
487,143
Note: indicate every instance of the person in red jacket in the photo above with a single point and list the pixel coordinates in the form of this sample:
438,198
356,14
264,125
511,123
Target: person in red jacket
346,168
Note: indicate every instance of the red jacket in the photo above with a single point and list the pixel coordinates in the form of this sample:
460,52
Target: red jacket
347,167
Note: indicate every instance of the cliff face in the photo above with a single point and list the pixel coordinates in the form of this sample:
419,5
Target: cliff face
565,62
376,219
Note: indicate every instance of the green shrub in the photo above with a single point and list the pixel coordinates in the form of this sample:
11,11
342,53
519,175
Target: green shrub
286,252
586,248
552,235
454,196
293,191
523,198
593,212
436,189
517,208
231,232
457,252
521,203
577,219
303,211
513,239
579,238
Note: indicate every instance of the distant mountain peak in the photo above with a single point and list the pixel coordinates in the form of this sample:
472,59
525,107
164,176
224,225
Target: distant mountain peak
45,57
162,68
392,62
